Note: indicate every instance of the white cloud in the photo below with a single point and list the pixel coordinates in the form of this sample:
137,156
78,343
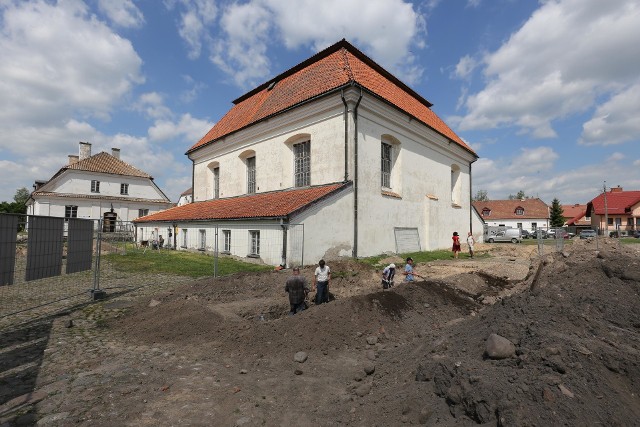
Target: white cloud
48,73
387,30
465,67
196,18
615,121
123,13
187,129
152,105
560,62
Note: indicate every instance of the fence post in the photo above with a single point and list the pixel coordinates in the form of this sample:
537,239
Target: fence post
96,292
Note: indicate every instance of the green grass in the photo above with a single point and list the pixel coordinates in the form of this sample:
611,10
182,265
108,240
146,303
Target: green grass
179,263
418,257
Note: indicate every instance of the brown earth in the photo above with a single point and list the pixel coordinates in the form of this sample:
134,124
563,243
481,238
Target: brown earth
221,352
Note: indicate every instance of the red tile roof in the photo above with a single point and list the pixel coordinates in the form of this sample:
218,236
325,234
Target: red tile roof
338,66
263,205
506,209
618,202
575,214
106,163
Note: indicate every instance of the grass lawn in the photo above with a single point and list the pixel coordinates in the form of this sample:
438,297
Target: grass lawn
179,263
425,256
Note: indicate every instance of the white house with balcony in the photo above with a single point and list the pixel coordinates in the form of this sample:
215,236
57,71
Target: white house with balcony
99,186
337,144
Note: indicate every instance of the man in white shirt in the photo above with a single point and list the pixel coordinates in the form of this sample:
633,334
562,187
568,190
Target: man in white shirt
321,279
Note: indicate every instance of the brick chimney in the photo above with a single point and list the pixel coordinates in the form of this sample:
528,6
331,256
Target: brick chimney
115,152
617,189
73,158
85,150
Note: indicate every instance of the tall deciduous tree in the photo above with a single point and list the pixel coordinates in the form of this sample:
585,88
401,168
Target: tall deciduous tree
556,214
481,196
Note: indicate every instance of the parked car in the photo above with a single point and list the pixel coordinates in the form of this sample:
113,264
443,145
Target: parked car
509,235
526,235
534,234
586,234
619,233
636,234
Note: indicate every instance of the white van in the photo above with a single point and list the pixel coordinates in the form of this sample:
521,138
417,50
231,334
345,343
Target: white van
512,235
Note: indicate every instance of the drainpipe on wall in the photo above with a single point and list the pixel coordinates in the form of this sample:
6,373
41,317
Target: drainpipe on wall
193,180
355,176
471,198
346,136
284,243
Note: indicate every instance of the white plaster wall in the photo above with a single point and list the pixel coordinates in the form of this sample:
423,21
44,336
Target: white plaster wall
272,144
542,223
79,182
93,208
328,228
425,160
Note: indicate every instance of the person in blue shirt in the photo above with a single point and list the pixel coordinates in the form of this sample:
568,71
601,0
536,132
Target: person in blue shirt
408,270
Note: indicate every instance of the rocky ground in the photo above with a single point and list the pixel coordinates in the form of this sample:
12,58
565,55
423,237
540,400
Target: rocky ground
508,339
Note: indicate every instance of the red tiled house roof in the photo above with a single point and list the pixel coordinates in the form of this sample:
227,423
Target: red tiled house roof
506,209
275,204
575,214
332,69
618,203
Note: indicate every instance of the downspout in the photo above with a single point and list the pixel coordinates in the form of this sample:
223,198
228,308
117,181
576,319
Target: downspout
284,243
355,176
193,179
470,198
346,136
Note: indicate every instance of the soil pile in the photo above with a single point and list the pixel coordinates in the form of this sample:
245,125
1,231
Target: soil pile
564,348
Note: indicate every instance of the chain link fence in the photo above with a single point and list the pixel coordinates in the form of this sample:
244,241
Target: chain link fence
50,264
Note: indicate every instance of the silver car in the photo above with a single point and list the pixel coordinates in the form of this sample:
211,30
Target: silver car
509,235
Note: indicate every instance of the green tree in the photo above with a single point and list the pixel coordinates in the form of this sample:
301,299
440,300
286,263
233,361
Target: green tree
21,196
519,196
556,214
481,196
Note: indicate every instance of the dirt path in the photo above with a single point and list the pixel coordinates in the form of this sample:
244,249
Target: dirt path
221,352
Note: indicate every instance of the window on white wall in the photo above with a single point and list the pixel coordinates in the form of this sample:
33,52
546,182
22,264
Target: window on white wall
456,185
216,183
385,167
124,189
254,243
184,238
202,244
251,175
70,211
227,241
143,212
95,186
302,163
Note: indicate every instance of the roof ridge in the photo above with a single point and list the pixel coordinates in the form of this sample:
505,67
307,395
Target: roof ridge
347,66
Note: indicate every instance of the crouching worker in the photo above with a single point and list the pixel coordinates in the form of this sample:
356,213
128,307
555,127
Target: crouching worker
298,288
387,276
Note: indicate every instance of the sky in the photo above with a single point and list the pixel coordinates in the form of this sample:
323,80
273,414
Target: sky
546,92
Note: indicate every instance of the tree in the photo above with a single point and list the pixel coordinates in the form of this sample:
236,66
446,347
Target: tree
481,196
556,214
519,196
21,196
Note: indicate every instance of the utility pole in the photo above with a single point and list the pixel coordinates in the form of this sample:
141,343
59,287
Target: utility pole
606,213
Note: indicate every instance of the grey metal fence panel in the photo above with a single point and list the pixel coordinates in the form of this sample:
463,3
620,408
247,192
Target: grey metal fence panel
45,247
79,245
8,241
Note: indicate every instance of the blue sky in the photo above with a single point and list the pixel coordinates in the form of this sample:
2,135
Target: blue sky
546,92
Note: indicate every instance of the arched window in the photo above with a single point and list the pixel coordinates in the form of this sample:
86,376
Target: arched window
214,168
249,158
300,145
456,185
390,176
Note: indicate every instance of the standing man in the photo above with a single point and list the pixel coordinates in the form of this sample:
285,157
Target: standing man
298,288
321,280
408,270
470,241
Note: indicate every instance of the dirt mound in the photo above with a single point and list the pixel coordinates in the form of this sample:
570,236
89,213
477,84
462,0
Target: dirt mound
221,351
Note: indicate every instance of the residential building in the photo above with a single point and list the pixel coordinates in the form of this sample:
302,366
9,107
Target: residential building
526,214
186,197
575,217
99,186
337,144
615,210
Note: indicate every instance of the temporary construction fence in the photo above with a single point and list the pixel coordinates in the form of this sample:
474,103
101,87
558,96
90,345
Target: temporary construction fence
49,264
